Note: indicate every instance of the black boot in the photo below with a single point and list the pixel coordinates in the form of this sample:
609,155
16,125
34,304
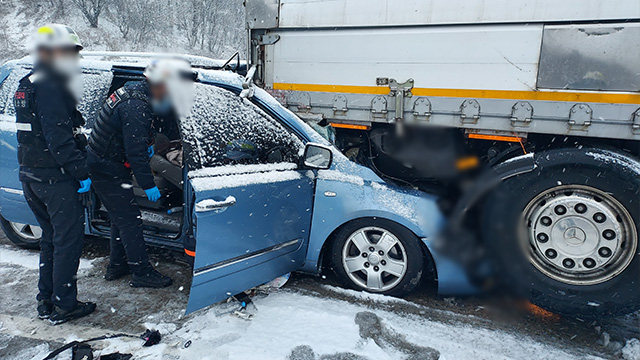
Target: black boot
45,307
60,316
116,272
150,279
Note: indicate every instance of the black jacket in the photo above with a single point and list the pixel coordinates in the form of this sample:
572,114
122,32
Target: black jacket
50,144
123,132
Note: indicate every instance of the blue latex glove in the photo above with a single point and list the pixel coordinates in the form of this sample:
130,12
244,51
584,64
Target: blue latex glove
85,186
150,151
153,194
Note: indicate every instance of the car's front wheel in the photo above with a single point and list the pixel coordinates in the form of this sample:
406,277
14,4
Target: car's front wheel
378,256
24,235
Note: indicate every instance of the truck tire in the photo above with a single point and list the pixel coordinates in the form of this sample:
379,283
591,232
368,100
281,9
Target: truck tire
23,235
566,234
377,256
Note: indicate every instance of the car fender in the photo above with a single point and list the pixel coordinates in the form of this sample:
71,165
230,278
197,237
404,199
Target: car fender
349,191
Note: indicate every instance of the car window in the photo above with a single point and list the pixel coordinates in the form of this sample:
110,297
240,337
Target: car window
220,119
95,88
95,91
8,89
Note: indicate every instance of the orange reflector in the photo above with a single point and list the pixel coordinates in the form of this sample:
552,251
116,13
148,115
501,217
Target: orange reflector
513,139
350,126
190,253
467,163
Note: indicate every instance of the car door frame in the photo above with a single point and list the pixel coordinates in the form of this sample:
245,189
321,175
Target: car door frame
302,246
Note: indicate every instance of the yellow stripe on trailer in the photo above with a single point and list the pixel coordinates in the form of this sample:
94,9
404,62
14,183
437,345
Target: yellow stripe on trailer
564,96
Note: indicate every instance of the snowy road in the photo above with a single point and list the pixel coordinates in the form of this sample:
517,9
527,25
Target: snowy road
308,319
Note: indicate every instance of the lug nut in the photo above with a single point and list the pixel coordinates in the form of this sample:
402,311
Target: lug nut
375,268
383,263
568,263
604,252
560,210
589,263
366,264
599,218
364,255
542,237
546,221
380,252
551,254
609,234
580,208
372,249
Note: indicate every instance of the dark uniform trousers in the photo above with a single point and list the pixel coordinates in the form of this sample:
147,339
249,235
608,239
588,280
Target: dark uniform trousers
115,191
61,216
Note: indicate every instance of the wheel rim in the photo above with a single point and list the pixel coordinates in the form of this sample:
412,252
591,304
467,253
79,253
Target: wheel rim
26,231
579,235
374,259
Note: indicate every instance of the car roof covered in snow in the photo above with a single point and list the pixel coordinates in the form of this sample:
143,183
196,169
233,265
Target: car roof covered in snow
107,61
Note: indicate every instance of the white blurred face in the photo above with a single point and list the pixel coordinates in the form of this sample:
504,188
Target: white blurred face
182,94
65,61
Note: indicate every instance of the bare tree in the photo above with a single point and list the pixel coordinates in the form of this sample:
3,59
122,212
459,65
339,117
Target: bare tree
141,21
121,17
59,8
91,9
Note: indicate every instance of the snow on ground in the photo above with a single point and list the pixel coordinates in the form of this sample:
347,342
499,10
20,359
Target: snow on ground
309,318
29,259
631,350
287,321
288,324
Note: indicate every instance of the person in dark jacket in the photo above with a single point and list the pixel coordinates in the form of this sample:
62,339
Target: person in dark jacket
121,143
53,170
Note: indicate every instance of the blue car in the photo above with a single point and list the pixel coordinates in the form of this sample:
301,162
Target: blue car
297,205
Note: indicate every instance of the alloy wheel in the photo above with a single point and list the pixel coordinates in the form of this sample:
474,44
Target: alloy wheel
374,259
26,231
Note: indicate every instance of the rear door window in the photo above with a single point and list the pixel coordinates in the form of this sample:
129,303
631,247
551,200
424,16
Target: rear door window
95,88
95,91
8,89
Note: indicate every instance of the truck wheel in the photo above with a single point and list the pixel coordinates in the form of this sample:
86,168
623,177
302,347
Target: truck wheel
565,235
377,255
23,235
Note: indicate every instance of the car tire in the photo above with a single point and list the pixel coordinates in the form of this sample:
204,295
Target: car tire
393,262
23,235
565,235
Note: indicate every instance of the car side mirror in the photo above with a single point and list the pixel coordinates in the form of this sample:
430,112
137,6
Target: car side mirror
317,156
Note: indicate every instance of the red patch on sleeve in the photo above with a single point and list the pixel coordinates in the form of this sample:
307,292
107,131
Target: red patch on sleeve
20,95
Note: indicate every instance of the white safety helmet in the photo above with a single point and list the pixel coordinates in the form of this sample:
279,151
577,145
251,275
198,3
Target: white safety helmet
55,36
178,77
162,71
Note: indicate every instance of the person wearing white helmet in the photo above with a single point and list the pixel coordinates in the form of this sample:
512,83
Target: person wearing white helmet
121,144
53,169
57,46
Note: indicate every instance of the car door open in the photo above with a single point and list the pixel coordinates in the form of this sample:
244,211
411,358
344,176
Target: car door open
251,227
251,202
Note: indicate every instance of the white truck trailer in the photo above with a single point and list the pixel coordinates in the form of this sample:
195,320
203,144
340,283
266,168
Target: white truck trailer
524,115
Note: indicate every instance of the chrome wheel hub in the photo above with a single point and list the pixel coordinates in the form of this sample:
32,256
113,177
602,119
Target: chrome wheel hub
26,231
374,259
579,235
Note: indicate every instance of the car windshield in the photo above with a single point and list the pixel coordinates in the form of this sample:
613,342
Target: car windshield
220,117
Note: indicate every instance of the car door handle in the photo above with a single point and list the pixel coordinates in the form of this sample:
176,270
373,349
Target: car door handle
210,204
